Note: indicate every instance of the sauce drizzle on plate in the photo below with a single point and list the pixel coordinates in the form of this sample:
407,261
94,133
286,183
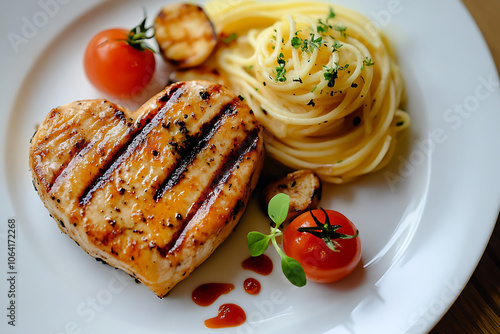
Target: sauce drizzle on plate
206,294
251,286
261,264
229,315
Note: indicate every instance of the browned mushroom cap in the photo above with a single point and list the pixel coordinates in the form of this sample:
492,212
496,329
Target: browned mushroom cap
302,186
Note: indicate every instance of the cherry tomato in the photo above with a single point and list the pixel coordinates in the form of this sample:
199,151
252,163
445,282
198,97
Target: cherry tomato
118,63
322,264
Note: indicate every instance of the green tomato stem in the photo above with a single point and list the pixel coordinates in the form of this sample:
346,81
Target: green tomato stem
139,34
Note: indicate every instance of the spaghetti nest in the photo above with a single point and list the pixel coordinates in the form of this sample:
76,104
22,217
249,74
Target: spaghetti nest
325,87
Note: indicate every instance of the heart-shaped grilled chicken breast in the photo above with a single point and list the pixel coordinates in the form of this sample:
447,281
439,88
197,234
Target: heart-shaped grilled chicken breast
155,191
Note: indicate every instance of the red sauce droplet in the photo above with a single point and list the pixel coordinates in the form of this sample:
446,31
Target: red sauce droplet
251,286
229,315
208,293
261,264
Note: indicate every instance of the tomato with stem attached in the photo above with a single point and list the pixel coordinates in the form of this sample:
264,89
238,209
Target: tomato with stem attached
325,243
118,62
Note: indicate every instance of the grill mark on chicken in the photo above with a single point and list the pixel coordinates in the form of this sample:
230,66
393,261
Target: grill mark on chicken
79,150
74,160
57,133
136,135
194,146
212,190
75,151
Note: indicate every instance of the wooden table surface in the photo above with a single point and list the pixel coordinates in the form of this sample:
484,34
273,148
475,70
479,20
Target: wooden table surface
477,309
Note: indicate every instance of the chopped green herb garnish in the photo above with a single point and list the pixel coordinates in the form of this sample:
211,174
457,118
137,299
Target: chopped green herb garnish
336,45
280,69
330,75
307,45
296,42
331,15
367,62
400,123
342,30
341,68
323,27
229,38
316,42
303,44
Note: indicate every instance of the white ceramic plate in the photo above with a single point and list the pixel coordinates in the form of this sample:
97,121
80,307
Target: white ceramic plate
424,220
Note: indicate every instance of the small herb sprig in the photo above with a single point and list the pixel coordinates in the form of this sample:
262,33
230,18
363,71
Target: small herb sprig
331,73
336,45
367,62
280,69
331,15
342,30
258,242
229,39
306,45
324,27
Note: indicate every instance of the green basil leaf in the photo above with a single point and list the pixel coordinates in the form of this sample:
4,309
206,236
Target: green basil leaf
293,271
278,208
257,242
